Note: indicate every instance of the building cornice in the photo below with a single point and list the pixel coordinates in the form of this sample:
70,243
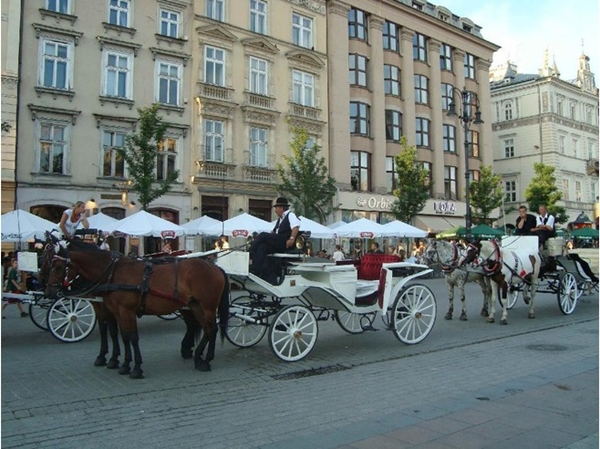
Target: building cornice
317,6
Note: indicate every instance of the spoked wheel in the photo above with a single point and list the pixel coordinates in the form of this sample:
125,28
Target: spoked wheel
354,323
567,293
243,332
170,316
71,320
293,333
512,295
38,312
413,314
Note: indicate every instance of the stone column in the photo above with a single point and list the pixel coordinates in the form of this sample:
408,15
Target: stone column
407,79
437,118
485,131
378,105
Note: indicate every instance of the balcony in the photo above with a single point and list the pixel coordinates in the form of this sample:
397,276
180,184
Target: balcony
259,174
308,112
306,117
215,170
215,92
259,101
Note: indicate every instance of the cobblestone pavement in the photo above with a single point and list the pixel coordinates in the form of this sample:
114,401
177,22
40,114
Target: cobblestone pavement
533,383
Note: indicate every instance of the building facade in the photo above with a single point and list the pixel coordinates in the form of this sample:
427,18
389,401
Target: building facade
406,61
542,118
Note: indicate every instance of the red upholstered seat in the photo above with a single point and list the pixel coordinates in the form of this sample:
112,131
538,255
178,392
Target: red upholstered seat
370,265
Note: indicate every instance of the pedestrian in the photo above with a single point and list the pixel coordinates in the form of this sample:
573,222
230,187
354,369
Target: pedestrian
166,248
14,284
224,243
375,248
71,218
338,254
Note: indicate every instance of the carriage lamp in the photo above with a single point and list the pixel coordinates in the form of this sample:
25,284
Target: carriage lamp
467,117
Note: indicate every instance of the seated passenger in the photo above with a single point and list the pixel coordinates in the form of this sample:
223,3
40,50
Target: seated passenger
525,222
544,228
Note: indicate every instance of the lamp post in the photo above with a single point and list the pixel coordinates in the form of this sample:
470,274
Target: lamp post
466,117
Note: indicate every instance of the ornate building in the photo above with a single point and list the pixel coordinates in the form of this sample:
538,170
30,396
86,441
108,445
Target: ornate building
542,118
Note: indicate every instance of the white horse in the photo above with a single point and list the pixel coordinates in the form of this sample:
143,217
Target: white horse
447,255
508,266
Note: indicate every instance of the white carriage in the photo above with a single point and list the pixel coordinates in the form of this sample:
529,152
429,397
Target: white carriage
312,290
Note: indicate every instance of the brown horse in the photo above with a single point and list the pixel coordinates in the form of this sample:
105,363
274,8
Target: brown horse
131,287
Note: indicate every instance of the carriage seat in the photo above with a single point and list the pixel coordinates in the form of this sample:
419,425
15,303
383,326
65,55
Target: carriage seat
370,265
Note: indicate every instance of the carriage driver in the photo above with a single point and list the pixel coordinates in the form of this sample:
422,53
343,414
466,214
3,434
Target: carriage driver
544,228
279,239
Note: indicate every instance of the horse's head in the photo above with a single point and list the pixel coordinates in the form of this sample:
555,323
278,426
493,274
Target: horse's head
430,255
470,253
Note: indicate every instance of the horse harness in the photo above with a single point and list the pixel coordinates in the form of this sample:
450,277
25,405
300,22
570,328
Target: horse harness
493,266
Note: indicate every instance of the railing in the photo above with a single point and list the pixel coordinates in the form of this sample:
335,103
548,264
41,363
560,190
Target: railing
259,101
259,174
212,91
209,169
305,111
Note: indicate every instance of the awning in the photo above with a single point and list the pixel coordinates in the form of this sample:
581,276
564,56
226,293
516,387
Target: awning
437,224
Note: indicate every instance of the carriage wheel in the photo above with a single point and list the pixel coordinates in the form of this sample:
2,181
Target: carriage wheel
354,323
413,314
240,332
567,293
293,333
511,296
38,312
71,320
170,316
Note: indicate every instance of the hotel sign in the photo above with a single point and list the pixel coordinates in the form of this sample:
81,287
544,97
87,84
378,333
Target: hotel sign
444,207
374,203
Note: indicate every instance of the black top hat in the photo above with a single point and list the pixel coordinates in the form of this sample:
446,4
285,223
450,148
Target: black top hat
281,201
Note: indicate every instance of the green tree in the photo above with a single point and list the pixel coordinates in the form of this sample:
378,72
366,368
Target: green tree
141,155
413,183
542,190
305,180
485,195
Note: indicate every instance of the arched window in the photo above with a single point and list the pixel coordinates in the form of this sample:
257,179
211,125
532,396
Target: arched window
508,112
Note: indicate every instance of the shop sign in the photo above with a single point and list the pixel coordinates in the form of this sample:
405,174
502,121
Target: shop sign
374,203
167,234
444,207
239,233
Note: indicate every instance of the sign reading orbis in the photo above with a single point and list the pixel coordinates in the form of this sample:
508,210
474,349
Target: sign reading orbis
374,203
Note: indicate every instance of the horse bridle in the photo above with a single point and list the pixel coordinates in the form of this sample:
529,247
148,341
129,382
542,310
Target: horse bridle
447,268
490,266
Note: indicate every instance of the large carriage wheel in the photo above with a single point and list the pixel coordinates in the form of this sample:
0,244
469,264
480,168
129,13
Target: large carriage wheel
512,295
38,312
241,332
567,293
70,320
293,333
354,323
170,316
413,314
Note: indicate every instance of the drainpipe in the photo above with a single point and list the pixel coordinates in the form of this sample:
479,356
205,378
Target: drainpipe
18,112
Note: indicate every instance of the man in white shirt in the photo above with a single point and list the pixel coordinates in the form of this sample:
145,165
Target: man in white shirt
544,227
338,254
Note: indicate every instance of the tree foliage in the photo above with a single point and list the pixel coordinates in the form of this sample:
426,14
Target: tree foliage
485,195
305,180
141,154
542,190
413,183
6,126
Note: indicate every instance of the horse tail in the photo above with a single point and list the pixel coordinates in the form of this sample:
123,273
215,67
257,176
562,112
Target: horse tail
224,306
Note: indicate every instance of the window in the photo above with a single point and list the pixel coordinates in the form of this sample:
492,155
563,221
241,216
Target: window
391,175
510,190
419,47
258,147
474,175
508,113
357,66
118,12
390,36
509,148
471,102
53,148
469,66
357,24
450,188
169,82
447,90
572,109
304,88
559,105
428,167
561,144
113,165
391,80
360,118
56,67
214,66
575,145
422,132
473,139
577,190
215,9
258,16
591,149
213,140
421,87
166,159
302,31
169,23
359,170
446,57
61,6
118,75
449,138
393,125
565,190
258,76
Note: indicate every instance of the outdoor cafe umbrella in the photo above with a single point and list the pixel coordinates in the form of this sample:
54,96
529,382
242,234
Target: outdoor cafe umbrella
316,230
145,224
241,226
100,221
585,234
202,226
401,229
363,228
20,226
481,231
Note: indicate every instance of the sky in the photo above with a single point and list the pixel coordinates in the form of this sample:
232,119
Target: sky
524,28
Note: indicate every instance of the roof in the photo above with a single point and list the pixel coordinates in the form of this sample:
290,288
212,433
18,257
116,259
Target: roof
518,78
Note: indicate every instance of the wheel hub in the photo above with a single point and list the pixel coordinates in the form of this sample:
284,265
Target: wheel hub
73,318
297,335
418,315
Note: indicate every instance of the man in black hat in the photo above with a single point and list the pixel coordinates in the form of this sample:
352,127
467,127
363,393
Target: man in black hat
279,239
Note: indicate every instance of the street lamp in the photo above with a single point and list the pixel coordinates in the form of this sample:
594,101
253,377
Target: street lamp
467,118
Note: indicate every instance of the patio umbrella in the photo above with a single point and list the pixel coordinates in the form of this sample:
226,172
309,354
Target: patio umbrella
99,221
201,226
317,230
481,231
401,229
363,228
144,224
19,226
585,234
243,225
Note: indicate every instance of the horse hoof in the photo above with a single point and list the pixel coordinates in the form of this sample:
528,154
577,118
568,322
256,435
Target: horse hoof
503,321
490,319
100,361
463,317
204,366
136,374
112,364
484,312
124,370
526,300
448,316
531,316
187,354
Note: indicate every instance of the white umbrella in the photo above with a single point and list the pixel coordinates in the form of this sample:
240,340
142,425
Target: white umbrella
100,221
337,224
19,226
363,228
144,224
316,230
401,229
201,225
243,225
